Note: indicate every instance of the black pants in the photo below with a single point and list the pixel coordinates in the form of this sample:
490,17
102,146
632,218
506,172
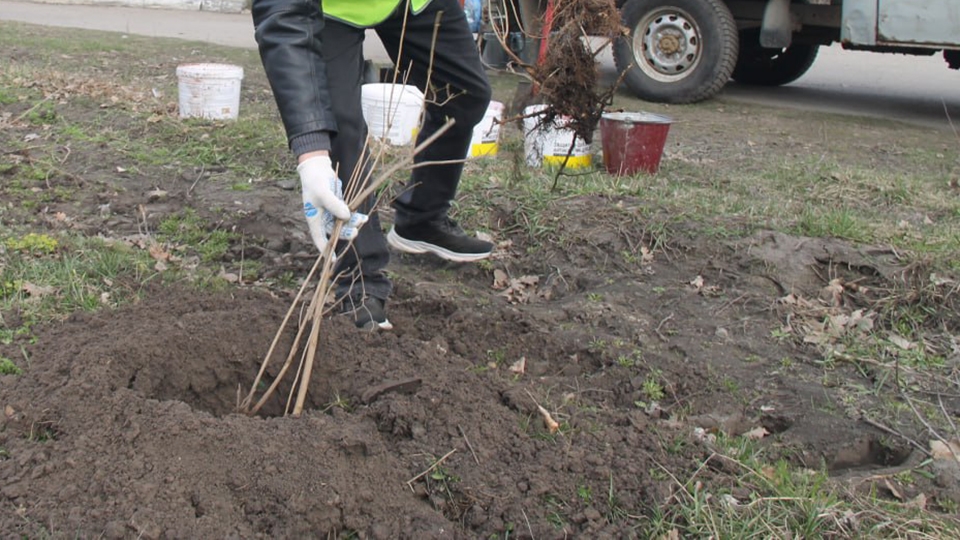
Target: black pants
460,91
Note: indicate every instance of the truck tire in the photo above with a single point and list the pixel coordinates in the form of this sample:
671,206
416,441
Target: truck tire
676,51
771,67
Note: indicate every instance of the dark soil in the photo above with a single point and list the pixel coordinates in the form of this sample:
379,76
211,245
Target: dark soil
123,424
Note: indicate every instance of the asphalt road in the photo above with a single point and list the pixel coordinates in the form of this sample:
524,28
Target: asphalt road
916,89
919,90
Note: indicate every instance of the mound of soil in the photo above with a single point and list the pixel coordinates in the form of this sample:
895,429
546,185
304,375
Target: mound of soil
123,423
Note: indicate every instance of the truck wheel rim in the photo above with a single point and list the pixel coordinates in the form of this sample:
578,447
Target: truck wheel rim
667,45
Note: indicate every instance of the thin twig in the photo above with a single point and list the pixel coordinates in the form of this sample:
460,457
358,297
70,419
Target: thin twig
946,415
930,428
892,431
405,162
276,339
430,468
318,299
659,326
358,190
199,176
566,158
30,110
730,303
466,440
529,528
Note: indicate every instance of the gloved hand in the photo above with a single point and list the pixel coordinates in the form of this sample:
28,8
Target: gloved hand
323,202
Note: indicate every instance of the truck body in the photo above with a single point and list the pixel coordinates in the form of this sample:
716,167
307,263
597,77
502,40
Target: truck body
683,51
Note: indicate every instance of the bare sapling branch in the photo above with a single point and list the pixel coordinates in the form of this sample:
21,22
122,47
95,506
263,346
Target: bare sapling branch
359,188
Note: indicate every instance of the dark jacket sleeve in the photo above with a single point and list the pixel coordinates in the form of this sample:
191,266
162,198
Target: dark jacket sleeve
288,36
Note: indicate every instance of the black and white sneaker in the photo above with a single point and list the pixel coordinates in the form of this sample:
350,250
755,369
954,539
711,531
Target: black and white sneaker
442,237
368,313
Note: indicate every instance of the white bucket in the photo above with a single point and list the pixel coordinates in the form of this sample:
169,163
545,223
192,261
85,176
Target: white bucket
392,111
209,91
547,145
486,134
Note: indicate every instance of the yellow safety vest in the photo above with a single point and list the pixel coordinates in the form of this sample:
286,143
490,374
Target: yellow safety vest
366,13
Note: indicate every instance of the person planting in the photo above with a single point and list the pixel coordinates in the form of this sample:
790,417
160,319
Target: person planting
312,53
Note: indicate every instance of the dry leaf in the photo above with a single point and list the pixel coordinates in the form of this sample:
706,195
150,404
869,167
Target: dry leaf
673,534
729,500
833,292
156,195
901,342
948,450
920,502
789,300
646,256
37,291
500,279
940,280
893,491
862,322
702,288
757,433
520,366
521,289
704,436
850,520
158,253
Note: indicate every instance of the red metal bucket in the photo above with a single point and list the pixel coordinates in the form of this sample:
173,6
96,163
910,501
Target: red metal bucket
633,141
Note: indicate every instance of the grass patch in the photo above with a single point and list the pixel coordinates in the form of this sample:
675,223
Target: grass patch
44,278
188,231
190,144
778,500
821,189
7,367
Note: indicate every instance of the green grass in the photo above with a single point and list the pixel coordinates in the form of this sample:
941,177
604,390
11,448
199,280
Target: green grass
44,277
187,230
774,499
651,387
195,144
7,367
32,244
8,96
825,194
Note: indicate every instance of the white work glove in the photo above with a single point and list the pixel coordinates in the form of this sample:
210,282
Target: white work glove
323,202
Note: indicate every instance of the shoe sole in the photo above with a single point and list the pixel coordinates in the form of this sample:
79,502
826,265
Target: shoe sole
373,325
415,246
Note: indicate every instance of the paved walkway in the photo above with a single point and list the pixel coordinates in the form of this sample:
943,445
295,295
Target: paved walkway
230,29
